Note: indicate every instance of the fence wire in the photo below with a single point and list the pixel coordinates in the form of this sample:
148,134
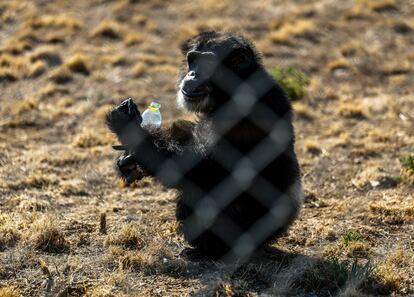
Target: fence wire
244,168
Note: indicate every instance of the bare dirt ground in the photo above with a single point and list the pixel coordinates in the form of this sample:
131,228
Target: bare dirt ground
69,228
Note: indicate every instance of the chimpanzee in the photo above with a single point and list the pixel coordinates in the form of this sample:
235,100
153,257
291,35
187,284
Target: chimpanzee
235,168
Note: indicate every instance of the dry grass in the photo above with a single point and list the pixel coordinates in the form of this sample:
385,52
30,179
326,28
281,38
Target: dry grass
383,6
8,292
299,28
139,69
61,76
47,54
37,69
339,64
45,235
351,110
36,179
89,139
394,271
26,105
109,29
9,234
66,222
393,215
127,237
55,22
12,68
78,63
312,147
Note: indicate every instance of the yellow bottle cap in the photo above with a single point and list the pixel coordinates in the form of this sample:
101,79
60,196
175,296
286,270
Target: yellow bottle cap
154,106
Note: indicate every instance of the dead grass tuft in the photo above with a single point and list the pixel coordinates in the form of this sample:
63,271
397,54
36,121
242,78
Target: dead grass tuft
100,291
25,105
383,6
128,237
109,29
166,68
37,69
60,21
362,8
7,75
89,139
393,272
45,235
298,28
133,38
312,147
77,63
48,54
64,159
132,261
338,64
33,205
36,179
381,212
115,60
12,68
8,292
61,76
17,47
9,234
139,69
303,111
51,90
351,110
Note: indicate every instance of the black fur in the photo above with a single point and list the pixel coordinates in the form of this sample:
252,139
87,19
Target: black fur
235,166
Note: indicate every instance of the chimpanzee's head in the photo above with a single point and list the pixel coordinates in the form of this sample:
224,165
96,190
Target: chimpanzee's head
215,67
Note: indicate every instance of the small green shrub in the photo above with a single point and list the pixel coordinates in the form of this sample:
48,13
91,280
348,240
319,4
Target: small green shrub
292,80
408,162
350,236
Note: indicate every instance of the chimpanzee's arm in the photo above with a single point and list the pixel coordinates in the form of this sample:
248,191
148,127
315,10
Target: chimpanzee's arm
155,151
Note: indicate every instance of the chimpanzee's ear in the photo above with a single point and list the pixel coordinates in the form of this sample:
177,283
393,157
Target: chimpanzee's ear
241,58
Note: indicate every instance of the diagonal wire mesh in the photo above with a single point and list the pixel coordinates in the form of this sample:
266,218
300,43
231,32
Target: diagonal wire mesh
208,216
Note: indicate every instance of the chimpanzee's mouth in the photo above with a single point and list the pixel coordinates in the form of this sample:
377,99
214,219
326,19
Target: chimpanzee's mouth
191,96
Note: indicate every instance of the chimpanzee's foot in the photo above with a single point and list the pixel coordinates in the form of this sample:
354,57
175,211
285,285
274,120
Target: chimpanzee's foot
192,254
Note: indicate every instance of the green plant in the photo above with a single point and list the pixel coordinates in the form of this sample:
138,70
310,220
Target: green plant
293,81
350,236
408,161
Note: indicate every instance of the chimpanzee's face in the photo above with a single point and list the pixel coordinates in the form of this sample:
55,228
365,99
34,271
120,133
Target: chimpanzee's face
197,84
212,74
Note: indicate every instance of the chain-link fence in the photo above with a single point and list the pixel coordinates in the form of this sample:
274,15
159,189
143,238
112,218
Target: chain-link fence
235,169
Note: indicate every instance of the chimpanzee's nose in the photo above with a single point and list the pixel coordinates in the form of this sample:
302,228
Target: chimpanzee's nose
193,86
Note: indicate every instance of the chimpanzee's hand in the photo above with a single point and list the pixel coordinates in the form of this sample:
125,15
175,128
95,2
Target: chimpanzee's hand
128,168
125,121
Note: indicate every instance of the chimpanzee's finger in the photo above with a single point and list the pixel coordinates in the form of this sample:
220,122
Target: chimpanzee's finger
131,177
124,106
120,147
133,111
126,160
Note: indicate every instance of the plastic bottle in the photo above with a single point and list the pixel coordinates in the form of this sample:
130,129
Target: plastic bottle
152,116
